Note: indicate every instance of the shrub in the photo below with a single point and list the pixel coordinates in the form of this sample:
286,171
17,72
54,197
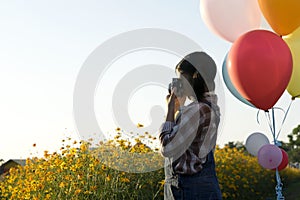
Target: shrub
81,173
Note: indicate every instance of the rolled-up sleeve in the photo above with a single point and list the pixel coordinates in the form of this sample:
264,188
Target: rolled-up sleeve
176,137
166,127
166,133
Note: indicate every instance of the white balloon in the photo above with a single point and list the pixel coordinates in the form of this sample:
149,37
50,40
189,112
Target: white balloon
229,19
255,141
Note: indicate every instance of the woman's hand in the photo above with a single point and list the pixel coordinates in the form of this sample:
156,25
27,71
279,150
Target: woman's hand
174,101
174,104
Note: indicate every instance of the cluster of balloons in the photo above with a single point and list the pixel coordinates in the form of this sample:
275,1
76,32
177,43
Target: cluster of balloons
261,64
269,155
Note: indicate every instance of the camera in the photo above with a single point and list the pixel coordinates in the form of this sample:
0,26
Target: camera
176,83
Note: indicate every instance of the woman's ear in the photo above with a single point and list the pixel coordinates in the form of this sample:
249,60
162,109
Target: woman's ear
195,75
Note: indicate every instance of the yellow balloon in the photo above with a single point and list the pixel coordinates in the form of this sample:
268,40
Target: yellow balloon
293,41
282,15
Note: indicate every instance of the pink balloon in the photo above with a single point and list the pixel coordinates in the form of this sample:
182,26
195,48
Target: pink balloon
285,161
269,156
230,18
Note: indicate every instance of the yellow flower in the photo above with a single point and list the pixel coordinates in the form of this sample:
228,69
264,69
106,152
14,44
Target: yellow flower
140,125
62,185
117,137
77,191
162,182
125,180
107,178
83,147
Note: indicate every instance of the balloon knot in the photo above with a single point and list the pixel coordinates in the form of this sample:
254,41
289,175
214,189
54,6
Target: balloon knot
278,143
294,97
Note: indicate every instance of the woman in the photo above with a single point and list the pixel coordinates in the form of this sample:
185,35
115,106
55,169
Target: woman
188,136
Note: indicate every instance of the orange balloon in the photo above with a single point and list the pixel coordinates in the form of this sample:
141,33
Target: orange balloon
282,15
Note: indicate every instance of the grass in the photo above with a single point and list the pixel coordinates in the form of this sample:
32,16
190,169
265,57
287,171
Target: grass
292,191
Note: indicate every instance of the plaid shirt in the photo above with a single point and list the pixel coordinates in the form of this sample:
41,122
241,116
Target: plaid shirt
189,139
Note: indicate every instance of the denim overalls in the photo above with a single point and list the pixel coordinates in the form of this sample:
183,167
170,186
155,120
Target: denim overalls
200,186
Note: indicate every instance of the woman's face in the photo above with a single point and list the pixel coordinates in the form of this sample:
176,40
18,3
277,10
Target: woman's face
187,83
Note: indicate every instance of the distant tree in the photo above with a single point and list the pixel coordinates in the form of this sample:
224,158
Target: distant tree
239,145
293,147
285,146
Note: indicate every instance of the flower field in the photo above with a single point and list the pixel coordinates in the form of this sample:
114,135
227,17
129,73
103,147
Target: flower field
84,173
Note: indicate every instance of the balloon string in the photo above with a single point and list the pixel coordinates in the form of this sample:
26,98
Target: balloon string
272,126
267,114
273,123
278,187
278,108
257,117
284,118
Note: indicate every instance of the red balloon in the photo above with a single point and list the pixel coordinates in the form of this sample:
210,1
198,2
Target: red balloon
260,67
284,162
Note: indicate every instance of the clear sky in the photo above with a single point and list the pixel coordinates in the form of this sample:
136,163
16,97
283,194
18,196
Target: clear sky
43,45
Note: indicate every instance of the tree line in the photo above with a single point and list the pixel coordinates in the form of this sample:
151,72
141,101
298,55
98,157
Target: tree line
292,147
